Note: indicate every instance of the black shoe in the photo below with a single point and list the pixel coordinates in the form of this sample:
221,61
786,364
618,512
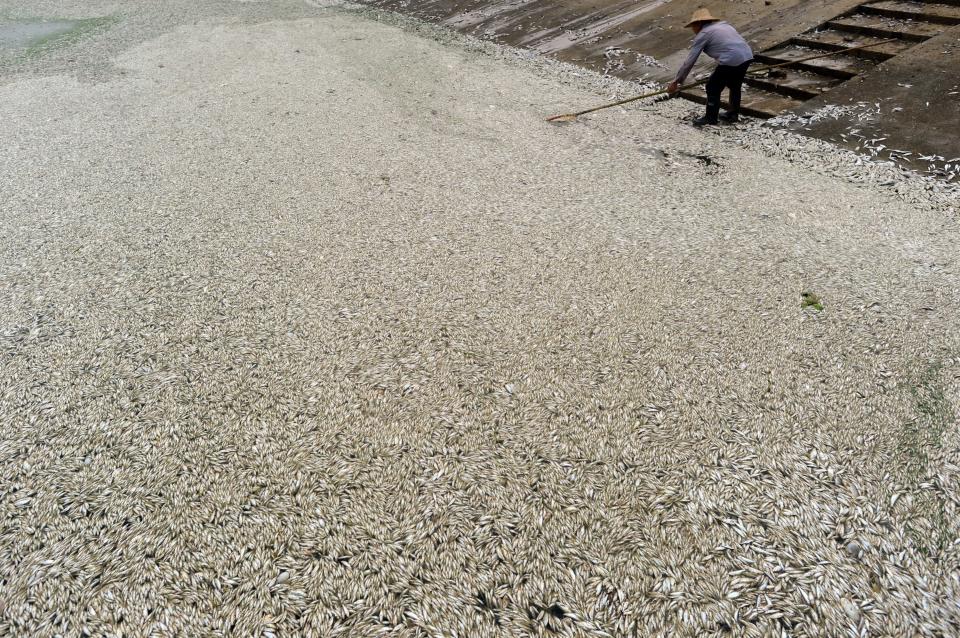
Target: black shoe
703,121
730,118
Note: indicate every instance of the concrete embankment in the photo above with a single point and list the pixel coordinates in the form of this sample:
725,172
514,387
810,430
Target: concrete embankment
900,102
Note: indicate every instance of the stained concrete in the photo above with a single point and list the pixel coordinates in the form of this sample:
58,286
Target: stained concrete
913,100
582,30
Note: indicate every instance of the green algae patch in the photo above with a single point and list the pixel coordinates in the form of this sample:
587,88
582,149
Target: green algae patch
810,300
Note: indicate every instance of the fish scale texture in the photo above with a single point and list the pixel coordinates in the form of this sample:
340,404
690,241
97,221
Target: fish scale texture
314,327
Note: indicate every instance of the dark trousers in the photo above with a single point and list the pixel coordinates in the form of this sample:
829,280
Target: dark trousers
725,77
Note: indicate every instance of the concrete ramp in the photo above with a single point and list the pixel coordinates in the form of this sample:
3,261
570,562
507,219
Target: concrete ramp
871,24
910,85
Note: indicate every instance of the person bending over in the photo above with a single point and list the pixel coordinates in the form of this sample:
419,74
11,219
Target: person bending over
733,55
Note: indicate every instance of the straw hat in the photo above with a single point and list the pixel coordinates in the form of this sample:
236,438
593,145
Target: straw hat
701,15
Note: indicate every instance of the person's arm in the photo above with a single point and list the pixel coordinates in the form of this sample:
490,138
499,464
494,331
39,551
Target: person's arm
695,50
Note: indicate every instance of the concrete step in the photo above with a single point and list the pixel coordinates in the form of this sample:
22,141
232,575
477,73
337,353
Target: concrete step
795,83
843,66
755,102
884,27
833,40
928,11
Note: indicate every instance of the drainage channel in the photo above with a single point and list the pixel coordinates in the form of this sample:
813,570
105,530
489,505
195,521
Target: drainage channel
779,90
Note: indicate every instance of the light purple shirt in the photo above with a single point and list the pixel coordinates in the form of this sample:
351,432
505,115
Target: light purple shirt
722,43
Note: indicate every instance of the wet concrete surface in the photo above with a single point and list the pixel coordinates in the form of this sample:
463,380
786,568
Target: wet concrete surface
911,103
649,36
